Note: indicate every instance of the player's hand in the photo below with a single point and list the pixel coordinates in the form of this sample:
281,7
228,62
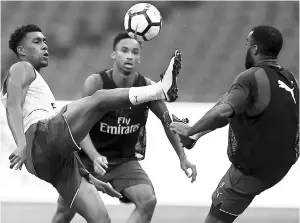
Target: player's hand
18,157
100,164
105,188
185,165
180,128
187,142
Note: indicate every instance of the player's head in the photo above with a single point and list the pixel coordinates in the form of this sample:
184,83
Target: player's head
29,44
126,53
263,42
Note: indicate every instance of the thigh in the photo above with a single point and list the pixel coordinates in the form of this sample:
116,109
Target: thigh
89,204
235,192
84,113
53,140
127,175
52,156
81,115
68,180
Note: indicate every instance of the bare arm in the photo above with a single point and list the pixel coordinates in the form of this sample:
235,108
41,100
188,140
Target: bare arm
159,108
200,134
233,103
91,85
21,75
215,118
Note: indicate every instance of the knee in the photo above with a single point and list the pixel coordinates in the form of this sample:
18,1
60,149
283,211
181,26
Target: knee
63,216
147,203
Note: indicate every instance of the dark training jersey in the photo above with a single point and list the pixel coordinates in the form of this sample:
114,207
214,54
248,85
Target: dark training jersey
264,131
121,134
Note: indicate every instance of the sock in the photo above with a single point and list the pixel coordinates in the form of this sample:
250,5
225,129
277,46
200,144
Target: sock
139,95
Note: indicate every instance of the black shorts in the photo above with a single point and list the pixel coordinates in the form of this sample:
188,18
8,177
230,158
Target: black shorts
52,156
236,191
120,175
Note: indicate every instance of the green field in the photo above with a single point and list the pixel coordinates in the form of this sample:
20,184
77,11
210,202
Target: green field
41,212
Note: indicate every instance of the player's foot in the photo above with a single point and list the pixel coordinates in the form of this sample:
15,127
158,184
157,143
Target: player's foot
169,78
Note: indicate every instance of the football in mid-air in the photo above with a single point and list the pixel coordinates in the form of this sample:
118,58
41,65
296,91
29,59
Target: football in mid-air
143,21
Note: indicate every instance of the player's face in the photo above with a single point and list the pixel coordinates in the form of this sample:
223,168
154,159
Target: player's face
35,50
249,61
127,55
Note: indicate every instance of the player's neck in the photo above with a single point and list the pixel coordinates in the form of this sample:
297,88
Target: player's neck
267,60
122,80
38,69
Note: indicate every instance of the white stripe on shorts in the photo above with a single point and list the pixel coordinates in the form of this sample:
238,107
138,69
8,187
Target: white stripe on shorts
229,213
71,133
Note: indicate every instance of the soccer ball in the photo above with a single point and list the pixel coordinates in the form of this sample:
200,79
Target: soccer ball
143,21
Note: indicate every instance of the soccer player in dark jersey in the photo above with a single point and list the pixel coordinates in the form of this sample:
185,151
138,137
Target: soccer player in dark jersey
262,109
47,140
116,143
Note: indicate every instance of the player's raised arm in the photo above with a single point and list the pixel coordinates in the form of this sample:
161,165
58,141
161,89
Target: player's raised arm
91,85
20,77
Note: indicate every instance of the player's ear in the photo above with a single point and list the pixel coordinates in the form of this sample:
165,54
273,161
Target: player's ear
113,55
255,50
20,51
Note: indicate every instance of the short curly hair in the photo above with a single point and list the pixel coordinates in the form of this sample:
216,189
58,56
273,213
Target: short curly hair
269,40
120,36
19,34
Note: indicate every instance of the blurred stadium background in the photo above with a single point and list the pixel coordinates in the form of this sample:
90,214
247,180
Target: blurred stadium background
210,35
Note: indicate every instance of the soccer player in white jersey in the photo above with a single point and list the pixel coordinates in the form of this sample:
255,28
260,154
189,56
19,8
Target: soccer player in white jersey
47,141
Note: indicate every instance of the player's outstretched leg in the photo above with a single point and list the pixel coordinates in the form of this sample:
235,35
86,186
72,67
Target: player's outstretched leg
82,114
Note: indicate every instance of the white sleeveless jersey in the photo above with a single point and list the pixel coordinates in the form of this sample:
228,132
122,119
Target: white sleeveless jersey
39,102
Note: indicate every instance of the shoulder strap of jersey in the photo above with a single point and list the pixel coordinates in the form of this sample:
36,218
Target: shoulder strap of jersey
104,76
141,81
280,70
